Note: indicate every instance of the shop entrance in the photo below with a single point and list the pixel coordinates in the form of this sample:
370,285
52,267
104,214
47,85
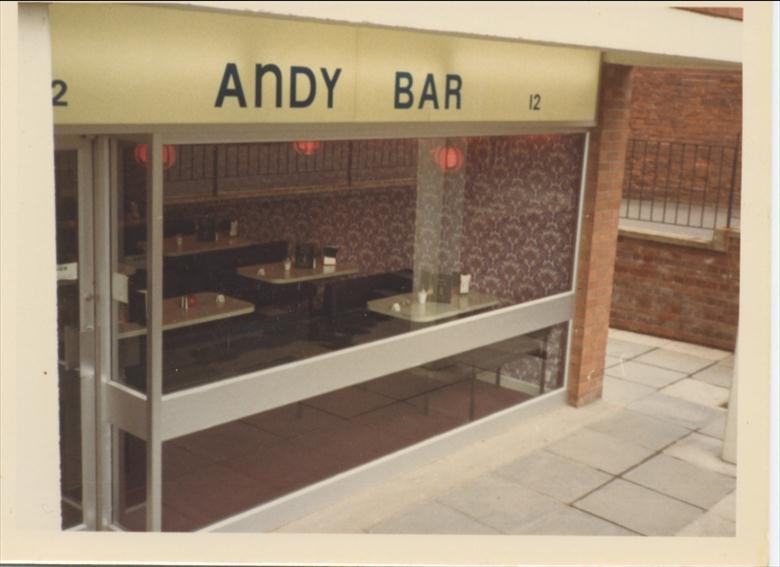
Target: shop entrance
95,308
76,329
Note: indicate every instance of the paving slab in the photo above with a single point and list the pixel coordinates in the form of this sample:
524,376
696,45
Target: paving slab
571,521
677,410
702,451
611,361
503,505
715,428
622,392
638,338
673,360
641,429
644,374
698,392
727,507
728,362
430,518
682,480
709,525
697,350
600,451
639,509
553,475
625,349
717,375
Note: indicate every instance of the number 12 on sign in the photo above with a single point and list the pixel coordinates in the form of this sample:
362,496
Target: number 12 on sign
534,102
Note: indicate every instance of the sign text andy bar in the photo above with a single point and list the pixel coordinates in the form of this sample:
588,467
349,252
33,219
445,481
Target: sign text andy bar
149,65
302,84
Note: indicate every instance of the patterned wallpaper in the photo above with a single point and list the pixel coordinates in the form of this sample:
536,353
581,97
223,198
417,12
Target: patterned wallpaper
373,228
520,217
508,216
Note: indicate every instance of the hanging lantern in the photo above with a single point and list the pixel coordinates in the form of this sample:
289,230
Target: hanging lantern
307,147
448,158
142,155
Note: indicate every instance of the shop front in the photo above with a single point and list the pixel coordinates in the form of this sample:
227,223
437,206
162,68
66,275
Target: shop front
294,257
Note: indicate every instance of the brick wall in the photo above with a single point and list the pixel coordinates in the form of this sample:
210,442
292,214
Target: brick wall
686,105
676,291
603,188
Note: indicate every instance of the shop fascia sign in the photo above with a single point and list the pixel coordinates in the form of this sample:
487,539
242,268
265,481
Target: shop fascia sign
132,65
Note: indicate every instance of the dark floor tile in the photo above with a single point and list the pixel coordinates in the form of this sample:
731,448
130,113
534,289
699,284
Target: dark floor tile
225,441
349,402
214,493
352,445
408,422
134,520
178,461
401,385
293,420
286,466
468,400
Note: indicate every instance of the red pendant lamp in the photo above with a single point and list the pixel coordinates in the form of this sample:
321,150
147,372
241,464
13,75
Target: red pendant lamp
142,155
307,147
448,158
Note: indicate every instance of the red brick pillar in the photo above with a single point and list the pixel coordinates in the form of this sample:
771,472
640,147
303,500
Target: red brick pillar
603,188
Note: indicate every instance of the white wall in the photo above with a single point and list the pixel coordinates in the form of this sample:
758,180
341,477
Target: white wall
629,33
28,327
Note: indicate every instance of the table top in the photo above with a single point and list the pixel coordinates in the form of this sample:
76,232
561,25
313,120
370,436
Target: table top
205,310
191,245
431,311
275,273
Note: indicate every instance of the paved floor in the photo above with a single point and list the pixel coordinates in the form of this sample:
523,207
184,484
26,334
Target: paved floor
645,460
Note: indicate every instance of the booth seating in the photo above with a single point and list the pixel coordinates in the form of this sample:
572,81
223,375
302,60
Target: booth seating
242,344
216,271
222,349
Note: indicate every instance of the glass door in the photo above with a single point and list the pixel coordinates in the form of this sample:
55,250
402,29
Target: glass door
76,331
131,329
128,231
106,327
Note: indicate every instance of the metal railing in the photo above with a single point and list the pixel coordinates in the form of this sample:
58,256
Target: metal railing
682,183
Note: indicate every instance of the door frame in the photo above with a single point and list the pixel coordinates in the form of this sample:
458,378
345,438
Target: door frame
87,322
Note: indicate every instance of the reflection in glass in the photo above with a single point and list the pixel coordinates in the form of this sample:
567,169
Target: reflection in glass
224,470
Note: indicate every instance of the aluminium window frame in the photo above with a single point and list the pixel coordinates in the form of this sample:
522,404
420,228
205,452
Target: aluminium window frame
161,417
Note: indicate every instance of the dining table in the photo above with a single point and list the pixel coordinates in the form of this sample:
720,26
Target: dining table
406,306
277,274
189,244
206,308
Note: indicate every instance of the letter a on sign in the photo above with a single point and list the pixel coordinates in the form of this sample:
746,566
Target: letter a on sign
230,74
